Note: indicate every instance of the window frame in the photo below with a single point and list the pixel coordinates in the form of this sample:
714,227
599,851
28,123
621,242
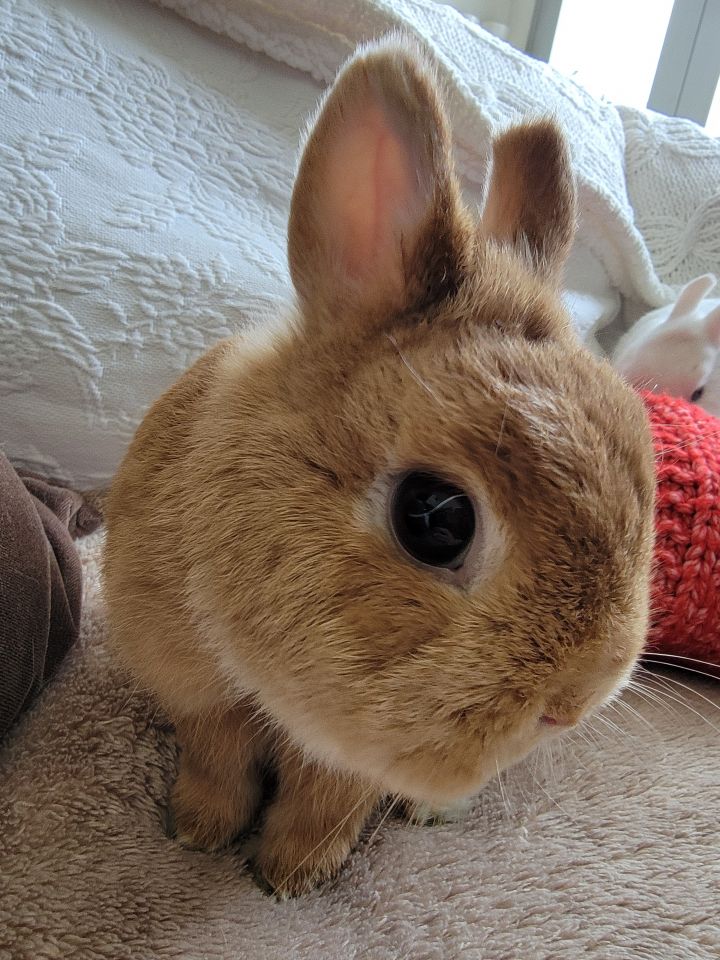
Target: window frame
688,68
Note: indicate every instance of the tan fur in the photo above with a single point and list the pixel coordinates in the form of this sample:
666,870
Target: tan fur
252,581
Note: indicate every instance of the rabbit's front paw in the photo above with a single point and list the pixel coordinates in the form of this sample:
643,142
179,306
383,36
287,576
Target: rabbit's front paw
311,825
290,866
218,790
205,815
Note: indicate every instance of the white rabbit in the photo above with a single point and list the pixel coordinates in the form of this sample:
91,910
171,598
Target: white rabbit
675,349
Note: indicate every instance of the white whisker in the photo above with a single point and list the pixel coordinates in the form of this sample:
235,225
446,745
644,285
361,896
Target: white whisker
391,806
413,372
502,791
610,724
689,689
553,800
686,669
618,704
677,656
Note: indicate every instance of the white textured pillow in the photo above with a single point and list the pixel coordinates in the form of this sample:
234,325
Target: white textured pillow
145,171
145,168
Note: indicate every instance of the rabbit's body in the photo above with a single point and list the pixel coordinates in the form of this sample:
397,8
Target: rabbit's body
260,576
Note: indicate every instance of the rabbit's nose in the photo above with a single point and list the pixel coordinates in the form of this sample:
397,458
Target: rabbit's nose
560,719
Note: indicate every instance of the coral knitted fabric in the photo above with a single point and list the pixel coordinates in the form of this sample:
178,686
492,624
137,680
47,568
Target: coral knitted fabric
686,594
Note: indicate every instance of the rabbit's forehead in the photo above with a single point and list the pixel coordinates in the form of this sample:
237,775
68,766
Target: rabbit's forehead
542,425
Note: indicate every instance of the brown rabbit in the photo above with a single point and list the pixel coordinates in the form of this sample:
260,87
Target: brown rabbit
393,544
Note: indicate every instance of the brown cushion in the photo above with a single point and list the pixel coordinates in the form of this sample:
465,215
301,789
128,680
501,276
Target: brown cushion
40,583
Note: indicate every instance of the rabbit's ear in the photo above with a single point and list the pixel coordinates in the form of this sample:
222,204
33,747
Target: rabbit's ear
692,295
711,324
531,198
375,220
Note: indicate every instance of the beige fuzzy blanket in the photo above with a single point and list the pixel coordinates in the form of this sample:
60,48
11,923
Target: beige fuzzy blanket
611,850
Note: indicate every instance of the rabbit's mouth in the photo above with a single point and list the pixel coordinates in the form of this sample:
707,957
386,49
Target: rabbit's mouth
443,778
441,773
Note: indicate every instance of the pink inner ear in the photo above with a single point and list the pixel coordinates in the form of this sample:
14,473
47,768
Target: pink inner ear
371,195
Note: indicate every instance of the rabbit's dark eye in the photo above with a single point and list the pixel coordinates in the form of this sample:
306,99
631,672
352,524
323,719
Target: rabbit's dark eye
433,520
697,394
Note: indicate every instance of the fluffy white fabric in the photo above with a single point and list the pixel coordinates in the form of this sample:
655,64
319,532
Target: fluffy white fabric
146,167
610,852
145,170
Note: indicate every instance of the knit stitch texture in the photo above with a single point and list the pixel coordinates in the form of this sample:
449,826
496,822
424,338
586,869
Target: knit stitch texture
686,594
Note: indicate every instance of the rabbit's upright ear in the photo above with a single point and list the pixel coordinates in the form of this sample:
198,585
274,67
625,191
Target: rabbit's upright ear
531,198
692,295
375,220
